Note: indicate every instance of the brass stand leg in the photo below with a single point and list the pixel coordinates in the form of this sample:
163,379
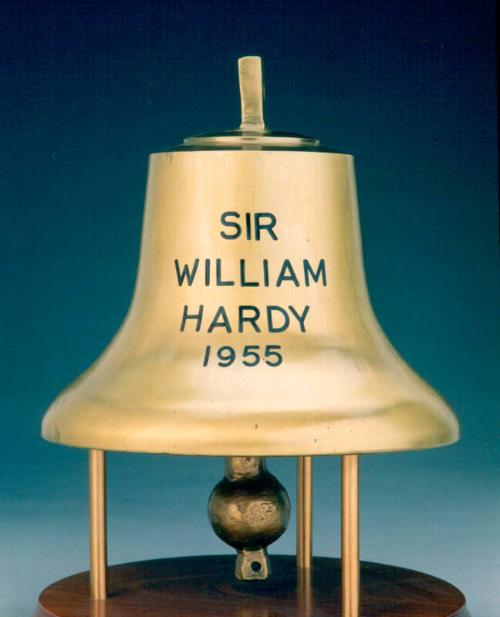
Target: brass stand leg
304,511
304,592
97,512
350,535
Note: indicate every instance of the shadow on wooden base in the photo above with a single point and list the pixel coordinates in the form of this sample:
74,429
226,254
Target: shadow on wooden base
206,587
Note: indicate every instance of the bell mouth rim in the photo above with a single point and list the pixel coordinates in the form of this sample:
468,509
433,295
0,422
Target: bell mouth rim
223,452
185,440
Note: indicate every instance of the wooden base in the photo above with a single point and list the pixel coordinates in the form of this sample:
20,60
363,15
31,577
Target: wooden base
206,587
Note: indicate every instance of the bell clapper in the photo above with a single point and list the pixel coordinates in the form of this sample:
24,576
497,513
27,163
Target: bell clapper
249,509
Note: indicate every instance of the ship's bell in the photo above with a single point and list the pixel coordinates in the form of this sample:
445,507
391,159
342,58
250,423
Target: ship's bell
250,332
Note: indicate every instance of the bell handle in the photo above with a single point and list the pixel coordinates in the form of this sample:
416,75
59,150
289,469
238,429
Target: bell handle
251,94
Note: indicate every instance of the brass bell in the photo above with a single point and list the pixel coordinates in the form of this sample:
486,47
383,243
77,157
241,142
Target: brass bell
251,334
250,330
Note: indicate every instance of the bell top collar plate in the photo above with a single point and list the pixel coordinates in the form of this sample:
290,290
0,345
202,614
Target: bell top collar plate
252,132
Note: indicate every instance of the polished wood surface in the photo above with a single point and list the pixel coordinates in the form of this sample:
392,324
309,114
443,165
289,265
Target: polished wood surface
206,587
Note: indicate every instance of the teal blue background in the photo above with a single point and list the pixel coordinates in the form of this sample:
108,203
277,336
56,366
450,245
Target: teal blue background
88,91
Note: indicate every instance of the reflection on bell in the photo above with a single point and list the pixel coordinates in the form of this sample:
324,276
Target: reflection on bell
251,334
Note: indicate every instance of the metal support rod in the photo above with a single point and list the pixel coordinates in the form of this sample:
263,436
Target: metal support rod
97,520
304,592
304,511
350,535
